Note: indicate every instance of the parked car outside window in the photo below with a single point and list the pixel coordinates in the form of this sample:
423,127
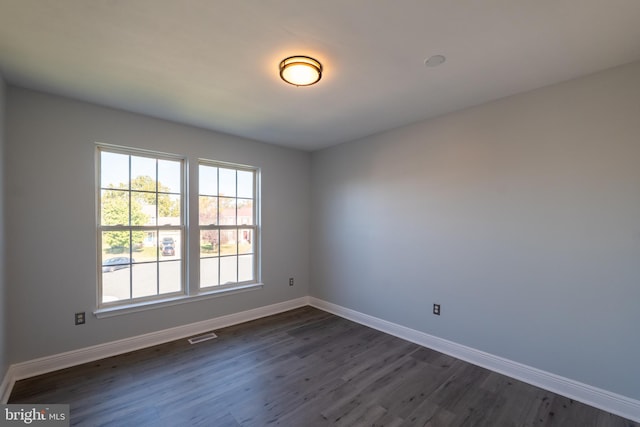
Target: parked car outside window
167,241
116,263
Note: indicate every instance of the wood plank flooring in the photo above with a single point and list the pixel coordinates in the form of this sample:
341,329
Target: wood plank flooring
301,368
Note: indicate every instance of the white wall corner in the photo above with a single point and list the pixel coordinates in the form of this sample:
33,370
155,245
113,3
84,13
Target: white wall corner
602,399
7,385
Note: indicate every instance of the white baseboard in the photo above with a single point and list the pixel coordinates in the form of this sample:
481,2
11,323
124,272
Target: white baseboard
52,363
611,402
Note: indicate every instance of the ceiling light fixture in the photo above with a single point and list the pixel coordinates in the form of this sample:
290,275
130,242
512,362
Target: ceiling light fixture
300,70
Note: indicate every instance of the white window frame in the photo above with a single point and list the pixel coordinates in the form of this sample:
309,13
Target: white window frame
158,228
190,232
255,227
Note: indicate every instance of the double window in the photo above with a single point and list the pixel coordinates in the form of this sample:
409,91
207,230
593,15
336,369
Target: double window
144,234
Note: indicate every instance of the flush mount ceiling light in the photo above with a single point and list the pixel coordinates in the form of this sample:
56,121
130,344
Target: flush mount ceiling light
300,70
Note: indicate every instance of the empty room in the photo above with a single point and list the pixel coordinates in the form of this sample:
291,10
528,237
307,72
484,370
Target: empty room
333,213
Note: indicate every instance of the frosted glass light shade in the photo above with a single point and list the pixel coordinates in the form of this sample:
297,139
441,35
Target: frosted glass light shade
300,70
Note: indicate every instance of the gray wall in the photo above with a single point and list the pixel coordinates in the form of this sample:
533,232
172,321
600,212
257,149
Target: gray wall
51,237
3,286
521,217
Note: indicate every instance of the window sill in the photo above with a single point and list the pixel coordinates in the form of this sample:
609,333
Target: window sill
182,299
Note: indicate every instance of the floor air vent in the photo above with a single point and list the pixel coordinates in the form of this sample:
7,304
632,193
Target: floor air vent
205,337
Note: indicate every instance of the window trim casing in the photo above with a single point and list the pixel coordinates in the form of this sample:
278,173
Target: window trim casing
191,290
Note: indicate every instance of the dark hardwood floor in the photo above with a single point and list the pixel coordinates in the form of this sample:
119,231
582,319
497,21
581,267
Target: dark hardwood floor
300,368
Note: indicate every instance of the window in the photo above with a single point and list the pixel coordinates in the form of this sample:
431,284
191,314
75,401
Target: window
141,232
228,226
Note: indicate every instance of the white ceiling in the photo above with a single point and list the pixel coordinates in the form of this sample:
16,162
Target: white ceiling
214,63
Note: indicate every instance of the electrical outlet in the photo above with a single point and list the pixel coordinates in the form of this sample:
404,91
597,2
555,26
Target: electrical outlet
80,318
436,309
290,281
